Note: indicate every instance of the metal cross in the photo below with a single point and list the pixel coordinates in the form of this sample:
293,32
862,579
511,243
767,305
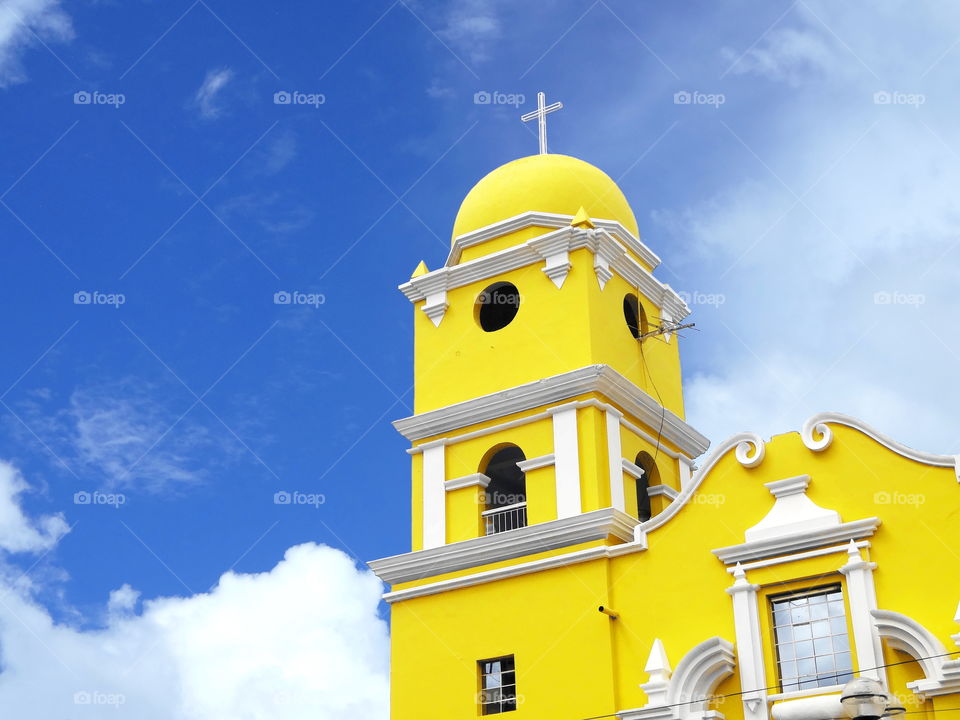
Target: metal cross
541,115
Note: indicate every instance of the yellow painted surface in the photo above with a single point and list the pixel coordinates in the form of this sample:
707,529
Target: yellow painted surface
573,662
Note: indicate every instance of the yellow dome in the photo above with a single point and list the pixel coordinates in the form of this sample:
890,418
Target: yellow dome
546,183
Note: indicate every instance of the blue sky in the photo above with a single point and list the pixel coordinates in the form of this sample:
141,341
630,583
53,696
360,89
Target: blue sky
803,202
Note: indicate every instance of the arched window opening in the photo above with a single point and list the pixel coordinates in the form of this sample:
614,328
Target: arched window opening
651,477
506,495
497,306
634,316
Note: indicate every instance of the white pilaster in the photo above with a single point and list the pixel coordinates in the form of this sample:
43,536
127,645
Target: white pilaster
567,462
615,460
746,619
434,497
862,597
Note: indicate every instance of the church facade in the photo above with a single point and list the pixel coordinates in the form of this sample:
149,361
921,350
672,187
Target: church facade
579,551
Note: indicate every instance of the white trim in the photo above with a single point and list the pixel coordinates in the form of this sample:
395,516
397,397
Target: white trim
659,671
668,492
593,378
862,597
534,218
746,620
639,432
566,462
475,480
485,576
537,462
812,707
614,457
792,512
779,560
582,528
820,424
631,469
941,676
800,694
801,540
434,498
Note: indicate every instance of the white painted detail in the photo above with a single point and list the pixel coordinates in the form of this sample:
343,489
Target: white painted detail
781,559
541,537
537,462
750,450
798,542
818,707
567,462
668,492
601,267
631,469
792,512
593,378
475,480
817,436
658,669
434,498
941,675
436,307
614,459
862,598
746,619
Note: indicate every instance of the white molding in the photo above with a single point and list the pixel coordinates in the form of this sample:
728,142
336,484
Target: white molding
820,424
534,218
631,469
598,241
781,559
582,528
567,462
862,597
434,498
812,707
941,676
799,694
746,620
601,379
799,541
691,685
537,462
668,492
792,512
475,480
659,673
614,458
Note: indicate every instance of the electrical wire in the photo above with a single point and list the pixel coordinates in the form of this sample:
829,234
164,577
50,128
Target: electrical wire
777,687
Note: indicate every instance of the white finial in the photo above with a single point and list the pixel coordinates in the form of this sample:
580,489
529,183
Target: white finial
540,114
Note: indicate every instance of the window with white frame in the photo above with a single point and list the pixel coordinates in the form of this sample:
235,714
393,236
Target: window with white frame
498,685
813,645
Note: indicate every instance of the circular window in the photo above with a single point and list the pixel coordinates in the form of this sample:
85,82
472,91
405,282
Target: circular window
634,316
497,306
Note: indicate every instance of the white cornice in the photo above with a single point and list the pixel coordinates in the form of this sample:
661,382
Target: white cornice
798,541
593,378
537,462
820,424
550,249
475,480
586,527
544,219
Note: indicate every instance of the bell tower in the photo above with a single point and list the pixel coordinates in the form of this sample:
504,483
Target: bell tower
548,414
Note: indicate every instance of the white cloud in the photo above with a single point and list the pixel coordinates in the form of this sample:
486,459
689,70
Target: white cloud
302,641
207,97
25,23
19,534
844,301
471,26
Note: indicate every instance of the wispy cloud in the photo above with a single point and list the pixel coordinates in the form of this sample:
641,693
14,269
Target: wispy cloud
471,26
18,533
207,98
24,24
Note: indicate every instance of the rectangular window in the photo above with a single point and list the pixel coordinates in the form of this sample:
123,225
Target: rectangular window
813,647
498,685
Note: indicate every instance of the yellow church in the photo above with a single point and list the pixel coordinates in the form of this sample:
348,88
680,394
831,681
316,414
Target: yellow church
578,553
